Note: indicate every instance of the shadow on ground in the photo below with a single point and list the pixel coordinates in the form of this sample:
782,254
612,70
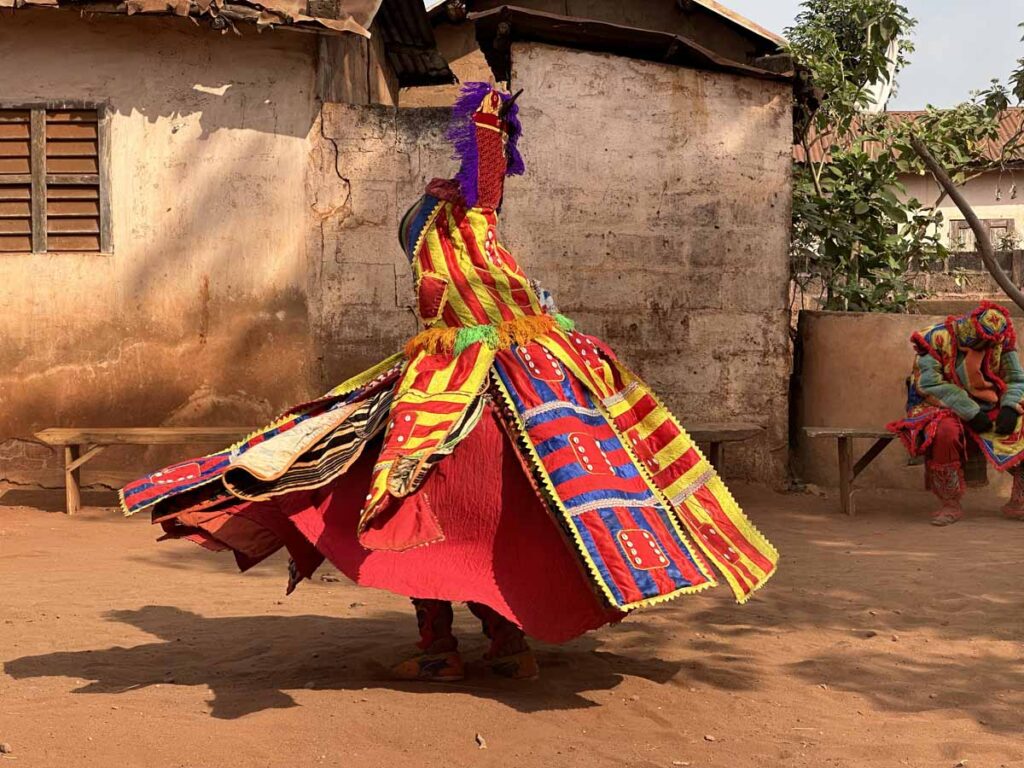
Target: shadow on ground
251,662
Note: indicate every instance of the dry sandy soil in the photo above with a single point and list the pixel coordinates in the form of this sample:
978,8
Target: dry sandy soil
882,642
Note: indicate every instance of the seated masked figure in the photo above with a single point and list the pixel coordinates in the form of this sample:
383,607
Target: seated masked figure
504,459
964,406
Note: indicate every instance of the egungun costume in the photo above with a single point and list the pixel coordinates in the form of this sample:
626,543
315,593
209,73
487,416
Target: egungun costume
504,458
964,406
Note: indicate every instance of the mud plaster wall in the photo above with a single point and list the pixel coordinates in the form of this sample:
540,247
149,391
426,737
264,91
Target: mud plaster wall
655,207
199,316
852,374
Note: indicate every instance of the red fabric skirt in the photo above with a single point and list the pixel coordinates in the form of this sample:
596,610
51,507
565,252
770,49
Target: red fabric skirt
500,546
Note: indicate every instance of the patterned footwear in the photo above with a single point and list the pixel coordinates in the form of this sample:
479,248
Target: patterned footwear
946,481
1014,508
431,668
947,515
517,666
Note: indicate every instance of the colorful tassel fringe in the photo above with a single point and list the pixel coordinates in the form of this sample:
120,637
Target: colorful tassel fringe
522,330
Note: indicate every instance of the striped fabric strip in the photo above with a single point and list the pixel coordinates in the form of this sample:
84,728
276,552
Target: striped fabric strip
628,540
433,396
588,506
557,405
686,479
323,462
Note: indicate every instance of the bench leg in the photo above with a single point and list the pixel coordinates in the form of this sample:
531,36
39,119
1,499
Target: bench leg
717,456
72,479
846,475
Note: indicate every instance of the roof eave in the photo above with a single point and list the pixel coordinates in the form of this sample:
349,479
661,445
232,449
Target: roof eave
498,27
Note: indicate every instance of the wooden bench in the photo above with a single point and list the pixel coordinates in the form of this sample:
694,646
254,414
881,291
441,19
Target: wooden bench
82,445
848,470
715,436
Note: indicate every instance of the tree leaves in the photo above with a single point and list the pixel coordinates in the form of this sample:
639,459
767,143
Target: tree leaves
856,232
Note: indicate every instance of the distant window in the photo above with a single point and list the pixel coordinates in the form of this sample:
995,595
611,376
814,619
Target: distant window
53,194
1000,231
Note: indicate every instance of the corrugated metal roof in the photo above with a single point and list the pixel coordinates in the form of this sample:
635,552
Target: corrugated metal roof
740,21
354,16
1011,123
409,41
497,28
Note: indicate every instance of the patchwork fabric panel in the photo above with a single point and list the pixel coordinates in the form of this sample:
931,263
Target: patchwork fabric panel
684,477
150,490
324,461
629,541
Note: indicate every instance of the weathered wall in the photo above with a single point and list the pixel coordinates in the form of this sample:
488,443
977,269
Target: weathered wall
655,207
852,373
199,315
256,258
372,164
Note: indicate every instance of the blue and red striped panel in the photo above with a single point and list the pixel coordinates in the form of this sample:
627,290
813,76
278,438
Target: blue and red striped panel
627,534
152,489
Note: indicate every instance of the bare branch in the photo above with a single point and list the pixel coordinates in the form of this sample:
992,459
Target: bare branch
980,233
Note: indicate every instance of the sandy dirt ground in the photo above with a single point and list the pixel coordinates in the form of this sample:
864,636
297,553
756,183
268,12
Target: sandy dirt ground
881,642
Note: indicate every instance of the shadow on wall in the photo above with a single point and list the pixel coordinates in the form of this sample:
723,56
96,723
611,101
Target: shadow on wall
200,315
161,68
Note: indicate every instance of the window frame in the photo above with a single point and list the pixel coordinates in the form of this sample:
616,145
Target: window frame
39,179
959,226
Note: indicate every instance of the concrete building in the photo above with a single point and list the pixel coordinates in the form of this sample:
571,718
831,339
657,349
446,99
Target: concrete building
244,256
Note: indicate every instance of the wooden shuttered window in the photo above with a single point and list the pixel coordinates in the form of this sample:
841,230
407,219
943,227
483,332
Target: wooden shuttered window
53,194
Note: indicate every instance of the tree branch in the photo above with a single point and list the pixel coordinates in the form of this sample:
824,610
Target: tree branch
981,235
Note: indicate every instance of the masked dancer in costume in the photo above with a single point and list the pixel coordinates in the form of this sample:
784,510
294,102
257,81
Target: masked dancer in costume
504,459
964,407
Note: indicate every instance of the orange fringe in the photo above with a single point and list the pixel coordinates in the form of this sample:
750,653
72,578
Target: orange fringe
432,340
521,330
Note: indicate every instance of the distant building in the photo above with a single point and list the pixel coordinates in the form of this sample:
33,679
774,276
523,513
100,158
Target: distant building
996,195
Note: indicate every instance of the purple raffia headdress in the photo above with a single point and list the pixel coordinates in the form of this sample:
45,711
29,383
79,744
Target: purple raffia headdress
462,134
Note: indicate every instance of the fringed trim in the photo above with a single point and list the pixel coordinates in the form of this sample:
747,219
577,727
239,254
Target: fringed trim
462,134
432,340
528,453
565,323
917,432
521,330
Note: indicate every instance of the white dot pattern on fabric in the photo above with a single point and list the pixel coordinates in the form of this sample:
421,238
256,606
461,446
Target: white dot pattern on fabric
642,549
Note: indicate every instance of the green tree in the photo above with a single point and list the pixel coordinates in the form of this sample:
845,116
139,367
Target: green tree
857,236
855,233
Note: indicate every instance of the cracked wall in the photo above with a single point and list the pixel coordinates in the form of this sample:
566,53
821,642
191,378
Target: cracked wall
655,207
256,256
200,314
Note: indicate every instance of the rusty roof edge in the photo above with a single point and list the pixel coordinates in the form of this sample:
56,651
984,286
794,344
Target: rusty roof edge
261,14
603,36
742,21
1011,120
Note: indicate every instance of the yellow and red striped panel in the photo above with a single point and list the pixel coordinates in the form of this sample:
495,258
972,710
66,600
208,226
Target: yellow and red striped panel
486,285
690,484
672,462
433,394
